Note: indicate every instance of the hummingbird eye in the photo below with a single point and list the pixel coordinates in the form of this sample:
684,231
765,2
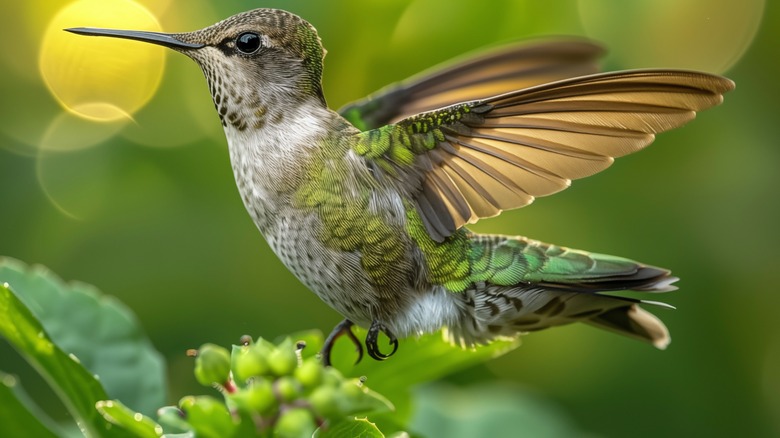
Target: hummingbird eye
248,42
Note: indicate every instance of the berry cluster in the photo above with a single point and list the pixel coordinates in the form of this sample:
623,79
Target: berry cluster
269,390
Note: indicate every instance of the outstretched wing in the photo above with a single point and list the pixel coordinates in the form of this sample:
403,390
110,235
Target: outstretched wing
499,71
473,160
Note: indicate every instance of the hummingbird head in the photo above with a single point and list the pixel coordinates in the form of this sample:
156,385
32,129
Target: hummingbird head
253,61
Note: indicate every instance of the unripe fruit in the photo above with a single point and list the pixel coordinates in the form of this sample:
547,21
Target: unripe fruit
351,389
258,397
295,423
324,401
331,377
212,365
249,361
287,388
309,373
282,360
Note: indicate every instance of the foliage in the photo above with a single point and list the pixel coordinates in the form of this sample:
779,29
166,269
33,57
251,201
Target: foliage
100,331
268,389
78,389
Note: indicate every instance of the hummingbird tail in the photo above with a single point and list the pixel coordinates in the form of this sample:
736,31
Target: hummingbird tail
635,322
494,313
557,286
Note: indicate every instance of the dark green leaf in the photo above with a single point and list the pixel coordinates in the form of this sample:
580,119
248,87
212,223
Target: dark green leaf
99,330
494,410
15,417
77,388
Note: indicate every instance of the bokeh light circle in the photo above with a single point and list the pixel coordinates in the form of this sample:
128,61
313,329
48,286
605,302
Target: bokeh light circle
76,182
70,132
101,78
709,35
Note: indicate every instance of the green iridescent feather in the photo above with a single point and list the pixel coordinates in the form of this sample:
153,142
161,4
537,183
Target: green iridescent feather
509,261
465,259
347,224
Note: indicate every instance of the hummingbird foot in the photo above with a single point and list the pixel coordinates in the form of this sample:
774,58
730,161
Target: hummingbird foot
372,336
343,328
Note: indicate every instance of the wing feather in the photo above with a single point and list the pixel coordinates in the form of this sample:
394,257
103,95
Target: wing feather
478,158
494,72
481,201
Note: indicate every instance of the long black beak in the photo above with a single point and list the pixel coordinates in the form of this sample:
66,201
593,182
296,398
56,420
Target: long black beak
162,39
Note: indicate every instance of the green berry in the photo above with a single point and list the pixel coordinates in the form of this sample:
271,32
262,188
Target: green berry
287,388
283,360
295,423
212,365
258,397
351,389
325,402
309,373
331,377
249,361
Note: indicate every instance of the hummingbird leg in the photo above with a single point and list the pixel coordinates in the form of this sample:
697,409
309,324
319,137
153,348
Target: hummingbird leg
373,335
343,328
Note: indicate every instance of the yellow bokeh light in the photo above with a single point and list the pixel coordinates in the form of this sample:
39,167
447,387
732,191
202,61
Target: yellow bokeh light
101,78
708,35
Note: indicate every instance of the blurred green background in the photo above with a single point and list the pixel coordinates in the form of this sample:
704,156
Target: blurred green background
148,211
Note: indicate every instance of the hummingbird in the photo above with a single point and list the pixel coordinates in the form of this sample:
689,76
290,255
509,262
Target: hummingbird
368,206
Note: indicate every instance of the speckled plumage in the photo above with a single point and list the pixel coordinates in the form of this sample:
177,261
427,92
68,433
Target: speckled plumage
370,212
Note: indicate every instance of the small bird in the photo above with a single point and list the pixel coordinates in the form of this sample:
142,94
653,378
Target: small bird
368,206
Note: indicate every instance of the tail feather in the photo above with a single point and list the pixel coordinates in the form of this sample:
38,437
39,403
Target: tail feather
640,278
525,285
511,261
634,322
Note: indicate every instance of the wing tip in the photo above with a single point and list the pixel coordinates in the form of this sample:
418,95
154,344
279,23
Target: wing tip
661,280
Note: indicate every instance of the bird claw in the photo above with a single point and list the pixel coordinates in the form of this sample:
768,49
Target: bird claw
372,337
343,328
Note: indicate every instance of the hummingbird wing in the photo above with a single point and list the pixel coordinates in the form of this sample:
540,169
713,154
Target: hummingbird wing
498,71
475,159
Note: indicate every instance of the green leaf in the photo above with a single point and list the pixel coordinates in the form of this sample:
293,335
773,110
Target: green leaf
497,410
358,399
427,358
172,419
15,417
139,425
98,329
418,360
75,386
351,427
